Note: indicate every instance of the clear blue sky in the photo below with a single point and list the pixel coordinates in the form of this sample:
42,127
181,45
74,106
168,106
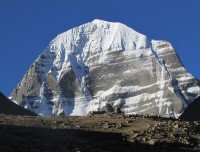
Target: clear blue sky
27,27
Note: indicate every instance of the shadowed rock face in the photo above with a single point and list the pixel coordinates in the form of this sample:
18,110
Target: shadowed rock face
102,64
192,112
10,108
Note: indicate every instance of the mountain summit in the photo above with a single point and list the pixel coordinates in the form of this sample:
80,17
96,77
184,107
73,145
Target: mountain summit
103,65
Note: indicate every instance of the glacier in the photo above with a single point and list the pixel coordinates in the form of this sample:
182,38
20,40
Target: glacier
103,65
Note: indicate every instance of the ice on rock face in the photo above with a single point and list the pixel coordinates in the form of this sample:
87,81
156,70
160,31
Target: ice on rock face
103,65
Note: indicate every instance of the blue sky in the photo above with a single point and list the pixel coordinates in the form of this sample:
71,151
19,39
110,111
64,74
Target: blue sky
27,27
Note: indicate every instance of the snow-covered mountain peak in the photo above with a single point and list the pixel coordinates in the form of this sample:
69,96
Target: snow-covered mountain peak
101,22
100,35
102,65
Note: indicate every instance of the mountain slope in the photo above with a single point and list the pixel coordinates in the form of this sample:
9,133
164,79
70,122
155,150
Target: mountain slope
103,65
8,107
192,112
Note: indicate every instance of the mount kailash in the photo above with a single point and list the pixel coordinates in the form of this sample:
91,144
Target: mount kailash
103,65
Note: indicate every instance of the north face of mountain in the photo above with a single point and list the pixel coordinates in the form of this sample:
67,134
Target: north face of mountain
9,108
103,65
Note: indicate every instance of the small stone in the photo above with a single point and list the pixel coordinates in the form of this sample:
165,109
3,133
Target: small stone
135,135
55,122
176,126
128,121
143,139
148,125
171,135
134,141
106,125
152,141
77,150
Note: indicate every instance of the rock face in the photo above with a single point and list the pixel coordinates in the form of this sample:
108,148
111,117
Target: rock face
9,108
101,66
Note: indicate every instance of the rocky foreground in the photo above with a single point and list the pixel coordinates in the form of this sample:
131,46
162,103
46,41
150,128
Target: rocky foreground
98,133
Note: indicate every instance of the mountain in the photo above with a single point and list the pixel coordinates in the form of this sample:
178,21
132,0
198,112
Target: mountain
10,108
103,65
192,113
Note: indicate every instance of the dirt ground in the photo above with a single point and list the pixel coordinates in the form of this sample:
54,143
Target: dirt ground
97,133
